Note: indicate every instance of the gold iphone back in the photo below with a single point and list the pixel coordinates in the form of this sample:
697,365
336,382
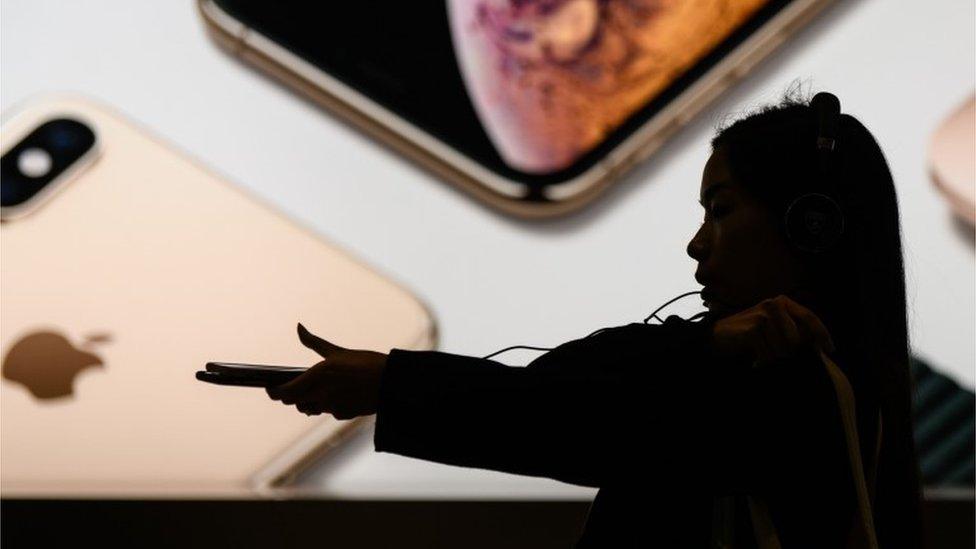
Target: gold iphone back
138,270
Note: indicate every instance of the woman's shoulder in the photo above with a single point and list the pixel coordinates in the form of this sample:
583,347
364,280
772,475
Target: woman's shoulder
630,344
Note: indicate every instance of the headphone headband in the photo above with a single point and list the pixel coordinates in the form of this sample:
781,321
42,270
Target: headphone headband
827,107
826,143
814,221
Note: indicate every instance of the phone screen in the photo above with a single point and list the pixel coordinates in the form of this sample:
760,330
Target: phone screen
535,91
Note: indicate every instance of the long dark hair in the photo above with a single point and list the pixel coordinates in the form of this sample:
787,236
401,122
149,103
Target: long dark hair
858,288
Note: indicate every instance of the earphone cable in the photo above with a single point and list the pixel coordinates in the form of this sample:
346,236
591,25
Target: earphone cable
646,320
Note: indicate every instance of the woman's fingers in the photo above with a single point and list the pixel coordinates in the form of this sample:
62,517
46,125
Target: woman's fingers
310,408
281,392
297,389
274,392
779,334
767,341
284,396
787,335
316,343
815,328
319,401
340,410
771,330
764,345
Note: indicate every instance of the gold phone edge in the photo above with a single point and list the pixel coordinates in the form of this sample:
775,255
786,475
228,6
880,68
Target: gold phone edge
354,108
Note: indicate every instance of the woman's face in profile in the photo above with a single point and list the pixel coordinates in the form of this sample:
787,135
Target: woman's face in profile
742,256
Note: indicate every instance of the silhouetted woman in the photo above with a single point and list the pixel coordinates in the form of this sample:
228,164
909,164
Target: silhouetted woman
677,422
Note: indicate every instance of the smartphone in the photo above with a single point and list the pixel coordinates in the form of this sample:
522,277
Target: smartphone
951,160
126,265
248,375
535,108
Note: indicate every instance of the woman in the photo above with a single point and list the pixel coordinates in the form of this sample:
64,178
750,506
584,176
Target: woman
673,422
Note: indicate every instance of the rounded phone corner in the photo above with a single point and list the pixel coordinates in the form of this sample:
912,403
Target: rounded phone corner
557,200
209,377
222,25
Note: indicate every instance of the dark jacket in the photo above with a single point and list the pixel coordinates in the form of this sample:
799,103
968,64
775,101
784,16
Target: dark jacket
646,413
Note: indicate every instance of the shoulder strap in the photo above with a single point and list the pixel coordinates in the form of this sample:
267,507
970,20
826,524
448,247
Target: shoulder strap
862,534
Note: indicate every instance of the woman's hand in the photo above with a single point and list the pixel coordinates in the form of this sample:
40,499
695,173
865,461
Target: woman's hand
774,329
345,384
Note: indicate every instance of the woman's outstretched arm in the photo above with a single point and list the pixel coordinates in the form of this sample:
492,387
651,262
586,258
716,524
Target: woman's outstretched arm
638,403
639,398
478,413
571,415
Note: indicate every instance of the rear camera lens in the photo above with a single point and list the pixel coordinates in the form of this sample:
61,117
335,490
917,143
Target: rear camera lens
45,153
34,162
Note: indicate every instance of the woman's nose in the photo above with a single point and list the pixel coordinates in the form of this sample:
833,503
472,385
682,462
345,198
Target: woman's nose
696,248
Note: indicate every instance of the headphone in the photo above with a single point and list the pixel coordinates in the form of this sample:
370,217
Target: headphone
814,221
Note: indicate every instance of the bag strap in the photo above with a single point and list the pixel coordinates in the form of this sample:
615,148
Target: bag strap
862,534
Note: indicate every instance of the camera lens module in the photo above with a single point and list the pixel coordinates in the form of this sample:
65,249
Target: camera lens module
40,157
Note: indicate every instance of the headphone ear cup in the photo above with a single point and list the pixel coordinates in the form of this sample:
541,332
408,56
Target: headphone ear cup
814,222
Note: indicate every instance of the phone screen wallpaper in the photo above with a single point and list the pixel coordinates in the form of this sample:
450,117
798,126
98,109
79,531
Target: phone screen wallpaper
537,91
550,79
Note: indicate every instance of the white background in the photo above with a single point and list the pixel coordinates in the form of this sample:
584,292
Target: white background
900,66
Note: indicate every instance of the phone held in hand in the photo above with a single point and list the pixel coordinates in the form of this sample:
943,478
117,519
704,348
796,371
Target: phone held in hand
248,375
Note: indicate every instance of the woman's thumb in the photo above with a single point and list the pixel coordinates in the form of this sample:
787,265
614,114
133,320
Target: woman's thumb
315,343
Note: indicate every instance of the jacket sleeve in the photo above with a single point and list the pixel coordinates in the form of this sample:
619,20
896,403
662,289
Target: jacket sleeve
634,398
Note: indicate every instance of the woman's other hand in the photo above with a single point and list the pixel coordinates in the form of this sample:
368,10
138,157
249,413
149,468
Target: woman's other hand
344,384
773,329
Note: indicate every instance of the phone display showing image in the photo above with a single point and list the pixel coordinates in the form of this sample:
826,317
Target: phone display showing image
533,107
552,81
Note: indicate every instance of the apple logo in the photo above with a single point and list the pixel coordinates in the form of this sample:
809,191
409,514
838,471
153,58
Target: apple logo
47,363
